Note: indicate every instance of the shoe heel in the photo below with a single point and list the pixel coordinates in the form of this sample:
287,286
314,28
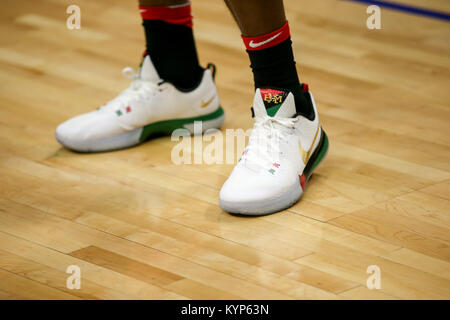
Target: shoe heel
323,151
318,156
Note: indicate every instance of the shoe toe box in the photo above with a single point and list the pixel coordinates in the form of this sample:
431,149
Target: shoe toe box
248,186
79,132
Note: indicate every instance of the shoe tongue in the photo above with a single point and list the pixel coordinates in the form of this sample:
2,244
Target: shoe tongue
274,103
147,71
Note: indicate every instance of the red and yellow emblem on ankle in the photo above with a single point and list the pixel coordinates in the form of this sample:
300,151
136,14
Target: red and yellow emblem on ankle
273,99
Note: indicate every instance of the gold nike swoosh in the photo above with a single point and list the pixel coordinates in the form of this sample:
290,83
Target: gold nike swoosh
205,104
306,155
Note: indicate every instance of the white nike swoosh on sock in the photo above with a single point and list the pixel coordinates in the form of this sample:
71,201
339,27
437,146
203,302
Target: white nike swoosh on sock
258,44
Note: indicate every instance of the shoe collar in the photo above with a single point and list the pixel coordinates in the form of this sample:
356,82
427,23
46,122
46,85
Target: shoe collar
273,103
147,71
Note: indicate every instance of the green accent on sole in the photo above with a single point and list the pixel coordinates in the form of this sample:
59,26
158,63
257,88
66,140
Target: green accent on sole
166,127
317,157
322,152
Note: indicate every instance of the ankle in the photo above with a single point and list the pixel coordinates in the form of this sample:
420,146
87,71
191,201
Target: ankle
170,44
273,66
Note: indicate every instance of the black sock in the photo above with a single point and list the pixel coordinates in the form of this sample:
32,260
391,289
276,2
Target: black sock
172,50
274,67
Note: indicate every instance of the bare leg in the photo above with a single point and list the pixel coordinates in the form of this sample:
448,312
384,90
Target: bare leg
257,17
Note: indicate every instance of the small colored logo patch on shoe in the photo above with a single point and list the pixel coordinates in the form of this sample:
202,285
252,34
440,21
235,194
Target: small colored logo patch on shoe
128,109
272,170
119,113
273,99
272,96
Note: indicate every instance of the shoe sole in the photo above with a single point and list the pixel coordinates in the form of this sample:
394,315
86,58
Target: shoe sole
137,136
288,198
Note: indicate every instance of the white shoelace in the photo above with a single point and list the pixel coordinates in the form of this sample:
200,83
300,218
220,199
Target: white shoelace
264,143
138,90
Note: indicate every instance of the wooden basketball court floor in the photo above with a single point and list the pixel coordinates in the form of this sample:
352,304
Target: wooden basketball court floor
139,226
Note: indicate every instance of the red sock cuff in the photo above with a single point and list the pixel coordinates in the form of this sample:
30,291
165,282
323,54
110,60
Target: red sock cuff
267,40
177,14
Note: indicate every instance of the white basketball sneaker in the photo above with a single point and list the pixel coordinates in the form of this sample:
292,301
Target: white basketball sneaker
283,151
148,107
